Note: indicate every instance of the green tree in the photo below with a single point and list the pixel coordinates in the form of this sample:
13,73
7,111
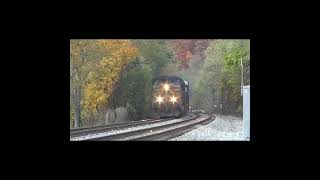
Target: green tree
156,53
220,76
134,90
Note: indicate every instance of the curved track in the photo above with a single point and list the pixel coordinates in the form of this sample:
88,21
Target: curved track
174,131
98,129
160,129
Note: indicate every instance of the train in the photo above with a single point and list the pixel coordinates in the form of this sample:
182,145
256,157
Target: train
170,96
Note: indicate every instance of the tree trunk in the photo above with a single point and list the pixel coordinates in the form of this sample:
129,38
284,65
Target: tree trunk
77,108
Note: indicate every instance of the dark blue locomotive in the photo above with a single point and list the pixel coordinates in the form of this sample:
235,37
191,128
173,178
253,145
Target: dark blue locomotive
170,96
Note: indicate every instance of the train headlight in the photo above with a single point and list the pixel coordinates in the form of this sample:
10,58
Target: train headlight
173,99
159,99
166,87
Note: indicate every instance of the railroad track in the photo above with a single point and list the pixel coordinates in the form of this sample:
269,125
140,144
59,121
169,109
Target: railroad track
98,129
160,132
172,132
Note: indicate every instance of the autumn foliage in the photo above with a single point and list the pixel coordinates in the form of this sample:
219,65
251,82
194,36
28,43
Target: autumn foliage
106,73
186,49
95,67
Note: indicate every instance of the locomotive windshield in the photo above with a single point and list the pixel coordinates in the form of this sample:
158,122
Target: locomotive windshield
162,81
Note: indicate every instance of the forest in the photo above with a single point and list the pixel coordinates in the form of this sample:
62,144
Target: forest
110,79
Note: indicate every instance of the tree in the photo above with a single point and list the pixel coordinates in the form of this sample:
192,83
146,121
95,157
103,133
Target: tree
101,80
221,75
155,53
186,49
134,91
94,68
79,57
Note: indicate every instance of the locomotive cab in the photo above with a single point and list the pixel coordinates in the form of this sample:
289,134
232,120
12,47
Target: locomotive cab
170,96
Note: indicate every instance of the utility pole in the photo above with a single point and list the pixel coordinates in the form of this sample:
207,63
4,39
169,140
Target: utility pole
241,77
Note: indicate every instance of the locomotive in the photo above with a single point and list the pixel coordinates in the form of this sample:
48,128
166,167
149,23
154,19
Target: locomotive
170,96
